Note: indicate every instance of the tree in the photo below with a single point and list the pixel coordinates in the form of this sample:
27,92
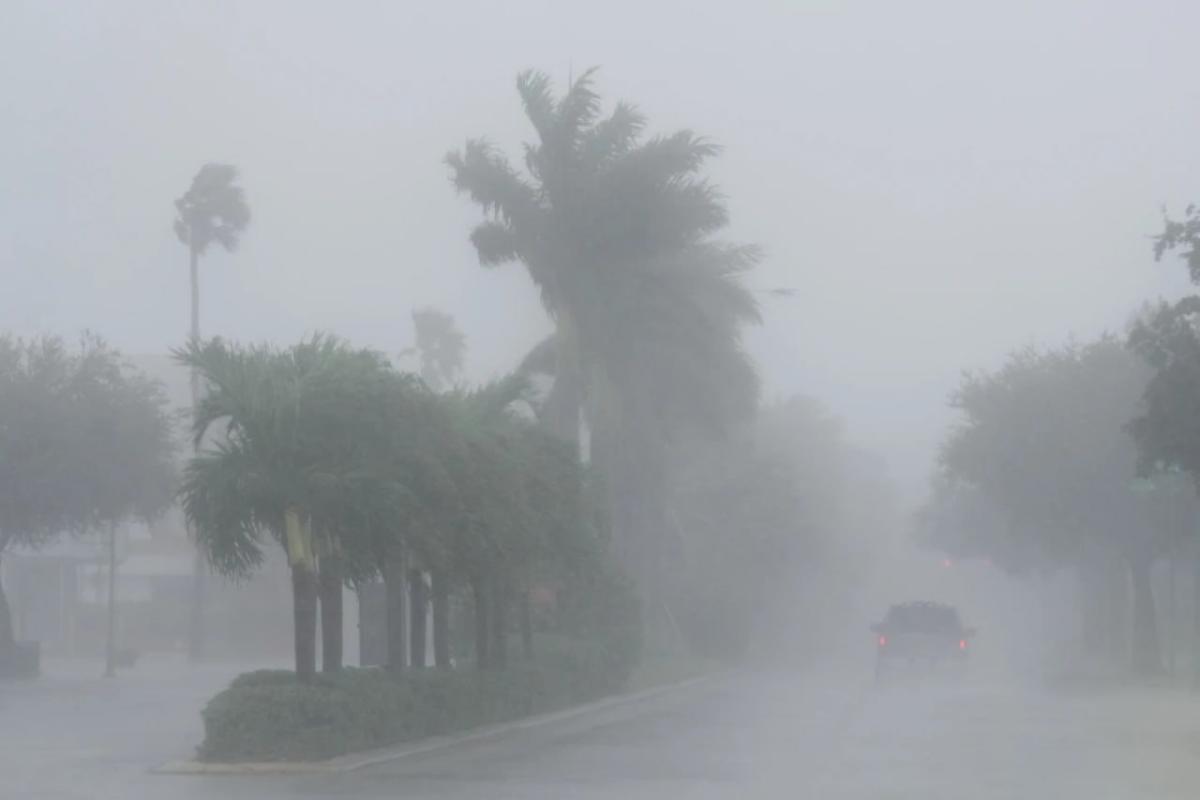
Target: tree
768,525
1044,442
440,346
1167,431
292,461
616,232
1182,237
212,210
85,443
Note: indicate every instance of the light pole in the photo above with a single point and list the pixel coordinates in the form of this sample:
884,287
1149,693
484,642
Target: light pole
110,650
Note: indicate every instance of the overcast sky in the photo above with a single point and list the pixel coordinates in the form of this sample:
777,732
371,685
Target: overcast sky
939,182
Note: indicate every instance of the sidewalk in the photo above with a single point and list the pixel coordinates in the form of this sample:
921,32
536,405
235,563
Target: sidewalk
72,733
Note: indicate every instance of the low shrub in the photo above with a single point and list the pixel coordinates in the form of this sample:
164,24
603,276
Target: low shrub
269,716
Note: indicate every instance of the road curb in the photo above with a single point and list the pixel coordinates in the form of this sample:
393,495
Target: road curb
355,761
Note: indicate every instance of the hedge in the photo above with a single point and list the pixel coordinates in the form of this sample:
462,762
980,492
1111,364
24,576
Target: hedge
269,716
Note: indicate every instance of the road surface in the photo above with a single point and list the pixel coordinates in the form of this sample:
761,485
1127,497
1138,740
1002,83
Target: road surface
743,736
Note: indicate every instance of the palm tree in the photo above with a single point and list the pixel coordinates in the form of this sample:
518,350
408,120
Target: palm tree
440,346
616,232
213,209
291,461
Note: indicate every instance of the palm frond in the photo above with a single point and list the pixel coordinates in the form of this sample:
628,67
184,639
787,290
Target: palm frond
487,178
538,99
577,110
613,137
495,242
213,209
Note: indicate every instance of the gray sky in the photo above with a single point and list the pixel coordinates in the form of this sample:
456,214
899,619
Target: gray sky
940,182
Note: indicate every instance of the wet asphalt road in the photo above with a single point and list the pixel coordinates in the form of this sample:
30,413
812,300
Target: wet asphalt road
743,736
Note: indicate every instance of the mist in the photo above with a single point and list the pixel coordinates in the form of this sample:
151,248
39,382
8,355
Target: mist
953,366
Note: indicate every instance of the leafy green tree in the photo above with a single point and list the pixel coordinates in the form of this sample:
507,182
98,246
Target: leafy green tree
616,230
85,443
1167,337
1182,237
212,211
1168,429
1044,442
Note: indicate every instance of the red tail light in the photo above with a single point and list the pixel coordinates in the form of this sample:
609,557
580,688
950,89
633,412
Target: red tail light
883,641
962,644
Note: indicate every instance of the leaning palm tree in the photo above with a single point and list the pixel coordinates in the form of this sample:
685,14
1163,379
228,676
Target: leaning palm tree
284,438
212,210
616,232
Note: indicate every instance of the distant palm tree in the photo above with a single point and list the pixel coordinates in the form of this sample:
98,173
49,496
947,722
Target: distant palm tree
615,231
213,209
440,346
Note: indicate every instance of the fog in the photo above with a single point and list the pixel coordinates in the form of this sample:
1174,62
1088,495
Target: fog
934,186
936,182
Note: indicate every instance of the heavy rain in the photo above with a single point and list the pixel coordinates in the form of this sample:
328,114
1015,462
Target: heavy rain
624,400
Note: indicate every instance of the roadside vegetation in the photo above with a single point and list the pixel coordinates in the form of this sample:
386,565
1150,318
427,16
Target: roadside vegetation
622,492
1086,458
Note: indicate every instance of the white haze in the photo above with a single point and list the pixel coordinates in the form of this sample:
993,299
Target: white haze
939,182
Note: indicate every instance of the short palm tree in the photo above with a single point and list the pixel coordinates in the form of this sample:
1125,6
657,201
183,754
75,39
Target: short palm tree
289,461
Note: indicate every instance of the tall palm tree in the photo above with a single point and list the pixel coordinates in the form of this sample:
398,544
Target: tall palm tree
616,232
212,210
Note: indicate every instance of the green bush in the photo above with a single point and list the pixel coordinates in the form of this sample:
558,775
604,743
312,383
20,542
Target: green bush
269,716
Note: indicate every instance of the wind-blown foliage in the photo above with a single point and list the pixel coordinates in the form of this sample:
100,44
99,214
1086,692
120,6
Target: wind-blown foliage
346,463
295,461
615,231
213,209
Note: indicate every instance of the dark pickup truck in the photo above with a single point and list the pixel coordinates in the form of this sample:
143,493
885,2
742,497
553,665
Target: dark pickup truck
927,635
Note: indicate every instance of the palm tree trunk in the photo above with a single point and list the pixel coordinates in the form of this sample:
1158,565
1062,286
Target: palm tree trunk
397,624
304,620
560,413
1147,655
526,626
418,603
332,640
499,652
199,567
441,619
482,632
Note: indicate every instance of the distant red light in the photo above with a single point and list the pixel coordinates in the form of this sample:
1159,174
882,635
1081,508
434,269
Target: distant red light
883,641
947,563
962,644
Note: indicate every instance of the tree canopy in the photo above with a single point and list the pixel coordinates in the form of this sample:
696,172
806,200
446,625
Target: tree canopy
212,210
85,442
616,229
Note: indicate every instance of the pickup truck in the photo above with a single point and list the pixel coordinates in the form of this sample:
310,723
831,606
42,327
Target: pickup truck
922,635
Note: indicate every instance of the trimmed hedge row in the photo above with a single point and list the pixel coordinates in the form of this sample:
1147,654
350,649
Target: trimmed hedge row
270,716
